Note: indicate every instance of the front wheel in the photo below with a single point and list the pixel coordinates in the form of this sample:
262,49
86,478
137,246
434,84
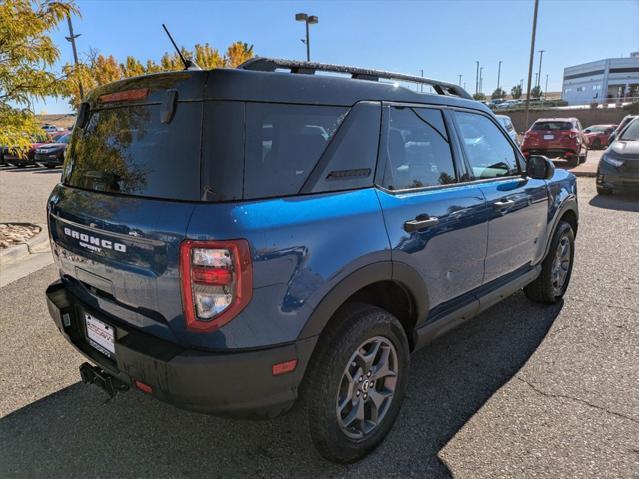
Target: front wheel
556,269
603,191
356,382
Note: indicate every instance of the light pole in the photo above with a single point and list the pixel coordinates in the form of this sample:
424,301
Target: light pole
481,79
71,38
530,61
477,78
308,20
499,73
460,77
541,56
546,87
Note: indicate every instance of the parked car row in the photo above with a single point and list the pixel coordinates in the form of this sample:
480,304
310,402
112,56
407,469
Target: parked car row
46,150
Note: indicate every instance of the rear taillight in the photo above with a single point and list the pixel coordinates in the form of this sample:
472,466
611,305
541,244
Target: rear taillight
573,134
217,282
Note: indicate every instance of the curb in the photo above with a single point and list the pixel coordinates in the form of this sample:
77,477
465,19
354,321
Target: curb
587,174
25,249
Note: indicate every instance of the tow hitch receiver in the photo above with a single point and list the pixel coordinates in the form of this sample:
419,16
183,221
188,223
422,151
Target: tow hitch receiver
95,375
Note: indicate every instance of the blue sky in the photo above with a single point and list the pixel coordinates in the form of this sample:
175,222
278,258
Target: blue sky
444,38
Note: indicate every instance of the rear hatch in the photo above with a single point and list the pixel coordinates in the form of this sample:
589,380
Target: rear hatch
129,183
552,135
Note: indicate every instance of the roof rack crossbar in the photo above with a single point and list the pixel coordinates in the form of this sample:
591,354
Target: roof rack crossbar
272,64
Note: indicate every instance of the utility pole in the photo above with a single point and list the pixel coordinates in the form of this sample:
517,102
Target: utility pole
541,56
71,38
499,73
481,79
421,85
460,77
546,87
477,79
530,62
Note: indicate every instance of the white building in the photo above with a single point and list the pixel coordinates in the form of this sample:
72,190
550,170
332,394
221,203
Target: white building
612,79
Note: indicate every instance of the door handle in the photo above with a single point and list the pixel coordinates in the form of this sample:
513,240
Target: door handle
500,205
420,223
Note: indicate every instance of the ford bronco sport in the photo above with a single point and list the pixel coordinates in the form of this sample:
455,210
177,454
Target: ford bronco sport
236,240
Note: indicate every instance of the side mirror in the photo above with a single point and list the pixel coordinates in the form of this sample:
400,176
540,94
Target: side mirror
539,167
586,130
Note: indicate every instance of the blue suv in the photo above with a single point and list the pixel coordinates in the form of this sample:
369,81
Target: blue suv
235,241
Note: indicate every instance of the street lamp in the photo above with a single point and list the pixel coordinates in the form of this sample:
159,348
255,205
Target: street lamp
499,73
541,56
308,20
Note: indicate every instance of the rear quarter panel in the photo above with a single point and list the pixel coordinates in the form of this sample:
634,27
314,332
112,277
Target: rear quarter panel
301,248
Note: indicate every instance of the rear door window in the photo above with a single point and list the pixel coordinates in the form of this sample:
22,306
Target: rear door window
128,150
283,145
418,150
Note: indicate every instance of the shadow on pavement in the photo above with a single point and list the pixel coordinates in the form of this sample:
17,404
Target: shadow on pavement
617,201
74,432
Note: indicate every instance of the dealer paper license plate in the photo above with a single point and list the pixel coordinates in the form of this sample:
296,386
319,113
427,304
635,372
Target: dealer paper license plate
549,137
100,335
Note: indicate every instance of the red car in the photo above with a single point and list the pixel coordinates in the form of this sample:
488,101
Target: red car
597,135
21,160
556,137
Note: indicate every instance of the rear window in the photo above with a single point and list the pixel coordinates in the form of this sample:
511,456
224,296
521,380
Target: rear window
552,125
283,145
129,150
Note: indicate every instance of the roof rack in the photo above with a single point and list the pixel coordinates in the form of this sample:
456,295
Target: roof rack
271,64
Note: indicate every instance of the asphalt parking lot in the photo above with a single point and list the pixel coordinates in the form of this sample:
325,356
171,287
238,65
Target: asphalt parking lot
520,391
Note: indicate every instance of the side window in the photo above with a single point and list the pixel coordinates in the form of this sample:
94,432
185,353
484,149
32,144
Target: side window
488,151
418,150
283,145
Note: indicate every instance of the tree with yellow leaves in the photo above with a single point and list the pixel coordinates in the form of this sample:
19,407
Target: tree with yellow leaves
27,56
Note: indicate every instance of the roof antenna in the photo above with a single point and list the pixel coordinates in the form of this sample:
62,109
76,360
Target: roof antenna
188,64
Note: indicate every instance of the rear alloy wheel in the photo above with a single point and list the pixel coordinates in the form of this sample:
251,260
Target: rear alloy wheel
596,144
355,384
367,387
556,269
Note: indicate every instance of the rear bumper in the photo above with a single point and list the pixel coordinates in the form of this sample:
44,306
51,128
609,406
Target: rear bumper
239,384
550,152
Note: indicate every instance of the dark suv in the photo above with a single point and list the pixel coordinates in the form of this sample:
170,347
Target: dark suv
231,241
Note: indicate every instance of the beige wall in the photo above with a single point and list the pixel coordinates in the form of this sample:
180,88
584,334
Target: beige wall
587,117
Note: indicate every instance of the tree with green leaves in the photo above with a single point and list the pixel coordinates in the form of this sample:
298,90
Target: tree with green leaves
515,92
498,94
27,57
536,92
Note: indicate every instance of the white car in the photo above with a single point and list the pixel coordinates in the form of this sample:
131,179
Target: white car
507,123
51,128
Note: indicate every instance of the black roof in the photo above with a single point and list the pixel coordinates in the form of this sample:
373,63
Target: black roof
301,85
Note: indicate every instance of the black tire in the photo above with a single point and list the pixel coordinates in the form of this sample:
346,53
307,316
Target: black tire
20,165
603,191
573,160
324,381
596,144
544,289
49,166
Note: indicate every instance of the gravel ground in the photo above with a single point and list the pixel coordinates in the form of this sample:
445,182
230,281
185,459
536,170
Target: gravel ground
520,391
